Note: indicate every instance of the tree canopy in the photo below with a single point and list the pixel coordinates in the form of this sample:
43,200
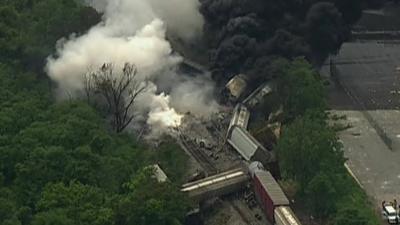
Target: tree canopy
299,85
310,154
59,162
29,29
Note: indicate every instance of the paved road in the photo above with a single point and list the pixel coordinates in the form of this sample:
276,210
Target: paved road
372,162
371,71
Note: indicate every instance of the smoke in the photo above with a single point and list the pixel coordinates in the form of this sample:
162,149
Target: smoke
245,36
182,17
147,49
134,31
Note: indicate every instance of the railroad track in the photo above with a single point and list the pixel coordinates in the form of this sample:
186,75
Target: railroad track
240,212
247,217
222,136
204,161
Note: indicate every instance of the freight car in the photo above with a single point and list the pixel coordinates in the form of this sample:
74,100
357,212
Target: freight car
240,118
257,96
271,197
247,146
285,216
221,184
242,141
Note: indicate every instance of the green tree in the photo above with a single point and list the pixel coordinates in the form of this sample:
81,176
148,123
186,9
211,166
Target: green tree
30,29
321,195
170,157
351,216
81,204
53,217
9,33
307,147
309,153
148,202
7,206
59,162
300,87
353,207
41,166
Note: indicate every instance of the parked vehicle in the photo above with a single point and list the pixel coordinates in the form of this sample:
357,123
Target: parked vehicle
390,213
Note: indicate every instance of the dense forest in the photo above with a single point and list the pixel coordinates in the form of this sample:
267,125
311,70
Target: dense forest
59,163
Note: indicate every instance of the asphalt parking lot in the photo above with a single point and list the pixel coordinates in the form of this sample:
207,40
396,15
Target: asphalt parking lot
375,166
371,72
366,89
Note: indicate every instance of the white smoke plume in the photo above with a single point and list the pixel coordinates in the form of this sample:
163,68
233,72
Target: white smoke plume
133,31
181,16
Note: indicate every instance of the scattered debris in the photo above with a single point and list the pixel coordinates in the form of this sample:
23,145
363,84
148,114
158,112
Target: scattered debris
276,116
159,173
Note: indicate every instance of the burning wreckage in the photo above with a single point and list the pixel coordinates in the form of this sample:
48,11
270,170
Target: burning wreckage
205,139
203,133
221,171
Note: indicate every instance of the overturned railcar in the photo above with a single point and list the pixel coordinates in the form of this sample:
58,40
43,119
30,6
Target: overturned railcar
248,147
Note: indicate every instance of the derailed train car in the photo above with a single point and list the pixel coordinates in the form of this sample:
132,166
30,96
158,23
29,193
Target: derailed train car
242,141
248,147
257,95
240,118
270,196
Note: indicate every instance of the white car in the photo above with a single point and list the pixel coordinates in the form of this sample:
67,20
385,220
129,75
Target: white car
390,214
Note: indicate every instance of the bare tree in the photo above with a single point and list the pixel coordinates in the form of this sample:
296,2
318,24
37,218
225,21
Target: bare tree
88,85
119,90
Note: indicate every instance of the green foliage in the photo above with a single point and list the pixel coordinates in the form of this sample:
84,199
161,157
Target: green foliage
59,164
309,151
169,156
352,208
149,202
321,194
8,206
30,29
309,140
299,86
82,204
68,144
53,217
49,145
355,213
310,154
78,148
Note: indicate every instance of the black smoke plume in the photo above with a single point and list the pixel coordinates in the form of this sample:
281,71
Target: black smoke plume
244,36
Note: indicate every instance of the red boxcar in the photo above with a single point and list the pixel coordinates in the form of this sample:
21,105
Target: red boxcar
268,193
